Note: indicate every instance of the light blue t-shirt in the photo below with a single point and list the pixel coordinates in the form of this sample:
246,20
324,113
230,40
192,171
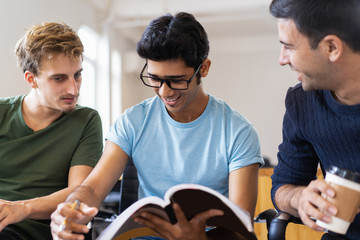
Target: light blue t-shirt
204,151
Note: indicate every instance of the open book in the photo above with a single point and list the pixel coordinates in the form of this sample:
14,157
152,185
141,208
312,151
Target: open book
192,199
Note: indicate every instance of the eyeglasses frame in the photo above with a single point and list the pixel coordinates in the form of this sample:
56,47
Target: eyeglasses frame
168,81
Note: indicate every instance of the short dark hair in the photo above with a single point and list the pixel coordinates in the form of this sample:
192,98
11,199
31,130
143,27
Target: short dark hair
172,37
319,18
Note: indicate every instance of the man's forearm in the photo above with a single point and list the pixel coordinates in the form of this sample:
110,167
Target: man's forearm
85,194
42,207
287,198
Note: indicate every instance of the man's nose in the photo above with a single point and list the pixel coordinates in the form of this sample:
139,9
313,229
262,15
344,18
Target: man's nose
284,57
165,89
73,86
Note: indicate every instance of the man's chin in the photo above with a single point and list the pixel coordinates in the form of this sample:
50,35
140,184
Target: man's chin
69,109
307,87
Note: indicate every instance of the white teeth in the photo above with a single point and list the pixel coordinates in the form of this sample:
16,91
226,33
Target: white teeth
170,99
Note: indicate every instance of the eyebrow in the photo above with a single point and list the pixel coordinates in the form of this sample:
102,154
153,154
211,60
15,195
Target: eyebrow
286,44
79,71
62,74
168,76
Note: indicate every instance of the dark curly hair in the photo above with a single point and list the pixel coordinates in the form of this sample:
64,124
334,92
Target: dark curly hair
172,37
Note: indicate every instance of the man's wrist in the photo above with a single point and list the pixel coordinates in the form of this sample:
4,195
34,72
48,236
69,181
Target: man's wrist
287,198
26,208
295,197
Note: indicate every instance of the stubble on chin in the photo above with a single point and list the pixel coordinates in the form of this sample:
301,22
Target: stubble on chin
306,87
69,109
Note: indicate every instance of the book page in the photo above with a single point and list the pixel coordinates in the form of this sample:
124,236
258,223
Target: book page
124,225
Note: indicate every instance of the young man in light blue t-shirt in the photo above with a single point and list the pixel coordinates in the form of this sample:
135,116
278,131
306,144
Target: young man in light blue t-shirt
182,135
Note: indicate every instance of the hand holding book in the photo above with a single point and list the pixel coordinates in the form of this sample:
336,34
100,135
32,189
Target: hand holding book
183,228
193,200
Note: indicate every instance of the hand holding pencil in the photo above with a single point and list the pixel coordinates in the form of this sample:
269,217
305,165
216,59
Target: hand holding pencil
69,221
74,205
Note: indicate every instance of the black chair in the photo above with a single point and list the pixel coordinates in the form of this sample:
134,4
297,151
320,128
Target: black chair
278,224
277,227
129,186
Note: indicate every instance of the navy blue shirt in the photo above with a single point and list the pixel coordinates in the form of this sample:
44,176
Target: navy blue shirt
317,129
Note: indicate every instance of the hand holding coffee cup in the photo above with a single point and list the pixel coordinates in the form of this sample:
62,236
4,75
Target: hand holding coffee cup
347,198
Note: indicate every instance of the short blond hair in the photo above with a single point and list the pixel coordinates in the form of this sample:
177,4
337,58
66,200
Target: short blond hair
44,41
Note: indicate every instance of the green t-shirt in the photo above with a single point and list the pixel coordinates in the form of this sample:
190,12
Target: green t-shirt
35,164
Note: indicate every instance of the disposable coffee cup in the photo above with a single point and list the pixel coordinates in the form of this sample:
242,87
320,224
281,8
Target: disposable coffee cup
347,198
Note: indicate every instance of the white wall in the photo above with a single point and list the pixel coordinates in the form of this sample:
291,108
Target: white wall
250,80
17,15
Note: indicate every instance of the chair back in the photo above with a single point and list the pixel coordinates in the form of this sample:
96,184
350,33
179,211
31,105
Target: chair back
129,186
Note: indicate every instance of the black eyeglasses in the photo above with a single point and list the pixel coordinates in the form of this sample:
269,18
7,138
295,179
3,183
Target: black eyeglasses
175,84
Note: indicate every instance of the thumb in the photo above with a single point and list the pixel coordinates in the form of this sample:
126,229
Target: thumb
88,211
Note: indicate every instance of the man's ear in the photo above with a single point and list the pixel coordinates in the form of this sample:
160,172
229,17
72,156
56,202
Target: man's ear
30,79
205,66
334,47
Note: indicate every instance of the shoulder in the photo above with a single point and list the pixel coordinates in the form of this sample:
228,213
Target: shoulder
143,108
85,110
296,97
228,112
9,104
232,121
84,114
8,101
137,114
297,92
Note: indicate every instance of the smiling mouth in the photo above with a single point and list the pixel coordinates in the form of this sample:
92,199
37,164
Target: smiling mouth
171,101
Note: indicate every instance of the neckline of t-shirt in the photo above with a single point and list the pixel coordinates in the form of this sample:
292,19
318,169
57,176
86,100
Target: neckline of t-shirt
189,124
20,115
22,120
339,107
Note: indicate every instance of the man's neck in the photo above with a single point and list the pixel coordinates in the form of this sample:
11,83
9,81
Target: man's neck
351,97
194,111
348,90
35,115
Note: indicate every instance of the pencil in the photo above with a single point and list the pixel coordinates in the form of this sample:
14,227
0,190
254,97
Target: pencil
74,205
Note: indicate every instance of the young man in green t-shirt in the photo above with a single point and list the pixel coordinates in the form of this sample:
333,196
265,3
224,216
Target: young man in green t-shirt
48,144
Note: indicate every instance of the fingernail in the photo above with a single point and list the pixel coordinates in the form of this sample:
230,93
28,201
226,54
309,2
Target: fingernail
330,193
332,210
326,219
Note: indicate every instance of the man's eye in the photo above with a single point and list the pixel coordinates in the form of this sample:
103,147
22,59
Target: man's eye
77,76
177,80
287,47
58,78
154,79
